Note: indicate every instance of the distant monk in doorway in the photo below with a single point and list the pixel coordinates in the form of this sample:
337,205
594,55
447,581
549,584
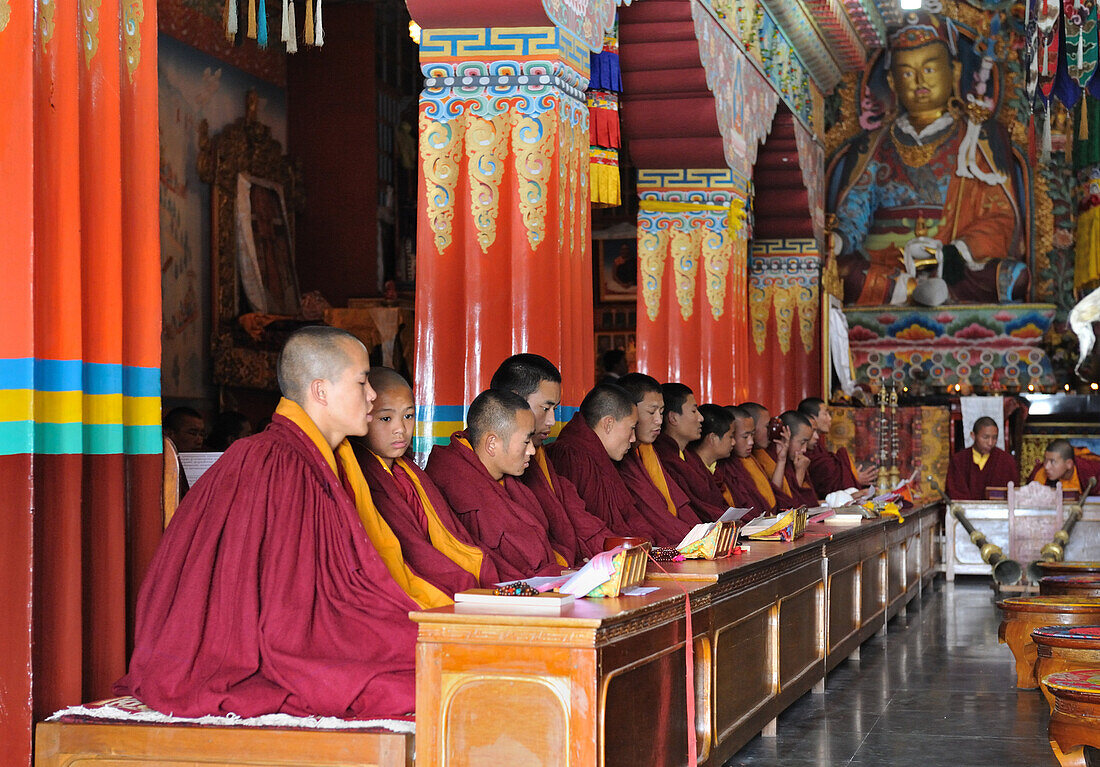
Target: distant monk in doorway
575,533
1072,467
278,587
478,473
983,465
830,471
434,543
682,426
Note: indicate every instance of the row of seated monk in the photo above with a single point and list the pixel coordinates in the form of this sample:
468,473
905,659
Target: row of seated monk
976,470
284,581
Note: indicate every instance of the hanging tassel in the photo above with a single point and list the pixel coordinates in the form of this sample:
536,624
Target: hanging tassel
292,41
231,19
1045,156
319,28
307,33
261,25
1083,132
251,19
284,24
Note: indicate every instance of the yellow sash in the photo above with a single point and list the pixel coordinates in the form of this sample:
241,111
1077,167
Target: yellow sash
765,461
656,474
540,459
385,542
760,480
979,460
1073,483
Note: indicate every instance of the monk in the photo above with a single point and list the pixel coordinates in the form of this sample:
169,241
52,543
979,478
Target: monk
740,475
830,471
789,465
587,451
715,444
1062,463
682,426
652,486
575,533
433,541
762,467
983,465
278,587
478,473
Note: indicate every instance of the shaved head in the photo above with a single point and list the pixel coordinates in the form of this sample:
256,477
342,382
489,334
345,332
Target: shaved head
1060,447
606,400
638,385
522,373
493,411
387,379
312,353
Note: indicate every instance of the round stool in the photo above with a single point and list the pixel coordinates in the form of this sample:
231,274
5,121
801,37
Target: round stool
1065,648
1075,718
1022,615
1069,568
1070,586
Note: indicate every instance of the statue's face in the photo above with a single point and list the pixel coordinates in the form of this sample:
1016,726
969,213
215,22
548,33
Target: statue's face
921,77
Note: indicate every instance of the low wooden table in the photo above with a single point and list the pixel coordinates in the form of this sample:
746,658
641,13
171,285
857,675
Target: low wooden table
1070,586
1065,648
1022,615
1075,719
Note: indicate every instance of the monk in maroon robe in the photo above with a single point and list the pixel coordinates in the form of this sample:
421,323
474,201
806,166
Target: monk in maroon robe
789,467
478,473
586,452
682,426
433,541
1072,467
575,533
830,471
983,465
270,591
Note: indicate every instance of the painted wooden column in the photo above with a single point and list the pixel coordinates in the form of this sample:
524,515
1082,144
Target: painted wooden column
692,301
503,231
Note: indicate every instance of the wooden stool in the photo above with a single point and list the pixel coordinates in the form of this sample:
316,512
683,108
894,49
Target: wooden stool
1065,648
1070,586
1075,719
1022,615
1069,568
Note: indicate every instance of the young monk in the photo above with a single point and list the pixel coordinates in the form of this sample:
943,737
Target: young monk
641,469
433,541
715,444
830,471
750,489
478,473
760,466
1073,468
980,466
575,533
278,587
789,464
682,425
587,451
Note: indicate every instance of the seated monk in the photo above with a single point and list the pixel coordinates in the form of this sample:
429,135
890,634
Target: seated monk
585,453
739,475
788,468
652,486
981,466
1062,463
575,533
682,425
478,473
432,540
830,471
278,587
715,444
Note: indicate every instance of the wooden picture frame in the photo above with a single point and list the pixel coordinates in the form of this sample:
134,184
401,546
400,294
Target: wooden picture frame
618,269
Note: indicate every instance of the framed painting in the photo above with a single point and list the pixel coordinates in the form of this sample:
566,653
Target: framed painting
618,260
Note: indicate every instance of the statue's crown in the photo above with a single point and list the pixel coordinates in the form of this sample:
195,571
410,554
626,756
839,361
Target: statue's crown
920,29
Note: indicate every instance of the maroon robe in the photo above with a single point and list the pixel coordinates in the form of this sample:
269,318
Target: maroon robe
266,595
800,495
651,503
693,478
580,457
966,482
765,460
732,475
830,471
504,518
575,532
397,501
1086,466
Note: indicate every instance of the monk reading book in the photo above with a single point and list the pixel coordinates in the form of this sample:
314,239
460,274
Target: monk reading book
278,587
830,471
478,473
434,543
715,444
682,425
575,533
740,475
981,466
1062,463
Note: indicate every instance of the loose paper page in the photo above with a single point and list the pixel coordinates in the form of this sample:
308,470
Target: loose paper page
196,464
733,514
696,533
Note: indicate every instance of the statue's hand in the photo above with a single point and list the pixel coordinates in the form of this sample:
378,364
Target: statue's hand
920,249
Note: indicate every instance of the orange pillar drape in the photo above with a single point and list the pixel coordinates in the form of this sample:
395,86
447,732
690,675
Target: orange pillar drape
80,355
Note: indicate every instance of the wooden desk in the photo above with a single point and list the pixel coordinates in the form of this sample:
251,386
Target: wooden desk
603,683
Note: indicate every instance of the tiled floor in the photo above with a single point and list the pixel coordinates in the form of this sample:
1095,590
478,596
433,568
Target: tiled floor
936,690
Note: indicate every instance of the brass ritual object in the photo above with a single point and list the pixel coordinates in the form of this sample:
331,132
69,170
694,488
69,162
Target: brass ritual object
1055,551
1005,571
